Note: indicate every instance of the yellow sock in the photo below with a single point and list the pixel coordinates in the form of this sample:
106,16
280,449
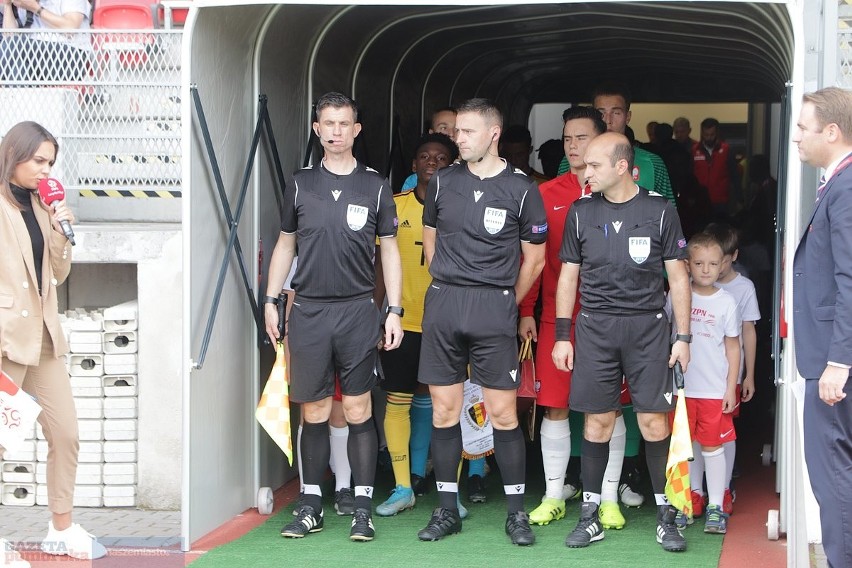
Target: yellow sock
398,434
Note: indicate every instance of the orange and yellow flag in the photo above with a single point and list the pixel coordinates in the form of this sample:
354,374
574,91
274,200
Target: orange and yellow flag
678,490
273,410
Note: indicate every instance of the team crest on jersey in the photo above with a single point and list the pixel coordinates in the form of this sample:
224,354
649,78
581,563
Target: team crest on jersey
639,248
356,217
635,173
494,220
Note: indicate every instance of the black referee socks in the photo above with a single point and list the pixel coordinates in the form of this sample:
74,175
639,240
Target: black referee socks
363,450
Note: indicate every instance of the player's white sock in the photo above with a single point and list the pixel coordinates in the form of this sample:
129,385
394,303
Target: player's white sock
555,453
696,469
612,474
342,472
730,454
715,463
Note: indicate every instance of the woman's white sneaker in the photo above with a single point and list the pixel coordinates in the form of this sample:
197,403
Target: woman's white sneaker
73,541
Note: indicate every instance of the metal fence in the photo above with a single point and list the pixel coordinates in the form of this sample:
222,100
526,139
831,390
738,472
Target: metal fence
112,99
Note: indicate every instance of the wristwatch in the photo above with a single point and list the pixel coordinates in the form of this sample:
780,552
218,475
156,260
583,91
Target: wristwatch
395,310
270,300
685,337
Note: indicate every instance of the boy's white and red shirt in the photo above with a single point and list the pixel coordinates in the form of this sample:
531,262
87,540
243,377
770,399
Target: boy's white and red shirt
742,289
713,318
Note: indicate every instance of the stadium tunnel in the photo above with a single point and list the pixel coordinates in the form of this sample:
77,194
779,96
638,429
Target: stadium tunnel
400,62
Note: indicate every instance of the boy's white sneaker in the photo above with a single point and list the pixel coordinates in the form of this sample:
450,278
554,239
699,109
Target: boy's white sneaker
9,557
73,541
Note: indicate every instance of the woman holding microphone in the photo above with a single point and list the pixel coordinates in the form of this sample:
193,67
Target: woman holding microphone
35,257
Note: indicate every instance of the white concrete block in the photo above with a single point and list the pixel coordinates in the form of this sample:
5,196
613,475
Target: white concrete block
18,472
41,495
120,474
88,496
120,430
119,491
86,342
121,407
120,364
89,408
91,452
90,430
39,432
120,501
119,385
119,496
86,387
119,452
122,317
18,494
89,365
26,452
87,474
41,450
120,342
84,321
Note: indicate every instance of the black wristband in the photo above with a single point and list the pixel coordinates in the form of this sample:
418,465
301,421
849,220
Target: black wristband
270,300
563,329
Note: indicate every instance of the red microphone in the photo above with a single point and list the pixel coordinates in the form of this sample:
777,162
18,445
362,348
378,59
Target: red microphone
50,191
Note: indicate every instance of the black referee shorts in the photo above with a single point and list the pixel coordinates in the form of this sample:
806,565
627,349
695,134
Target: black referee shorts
329,336
400,365
470,325
609,348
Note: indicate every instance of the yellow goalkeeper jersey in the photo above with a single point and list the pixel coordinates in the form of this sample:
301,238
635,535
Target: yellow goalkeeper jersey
415,273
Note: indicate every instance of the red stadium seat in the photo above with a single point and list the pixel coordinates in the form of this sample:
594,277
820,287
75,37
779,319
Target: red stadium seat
123,14
178,16
129,50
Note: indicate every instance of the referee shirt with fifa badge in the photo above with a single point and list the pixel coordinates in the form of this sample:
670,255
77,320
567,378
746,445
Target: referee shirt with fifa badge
480,223
621,248
336,219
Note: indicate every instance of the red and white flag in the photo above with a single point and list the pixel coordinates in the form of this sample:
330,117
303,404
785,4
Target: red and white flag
18,413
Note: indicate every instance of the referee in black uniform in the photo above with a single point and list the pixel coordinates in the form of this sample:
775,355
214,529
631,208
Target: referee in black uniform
617,242
334,211
478,217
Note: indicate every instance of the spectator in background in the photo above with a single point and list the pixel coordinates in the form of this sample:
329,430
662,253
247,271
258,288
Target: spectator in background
515,147
762,204
550,153
715,168
46,56
693,201
682,130
651,131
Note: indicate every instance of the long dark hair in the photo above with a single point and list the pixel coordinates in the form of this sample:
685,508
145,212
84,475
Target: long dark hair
19,145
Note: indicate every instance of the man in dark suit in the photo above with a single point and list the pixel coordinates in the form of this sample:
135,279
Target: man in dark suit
822,306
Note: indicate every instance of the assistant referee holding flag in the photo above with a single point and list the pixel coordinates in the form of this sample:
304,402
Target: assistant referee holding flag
335,210
479,216
617,242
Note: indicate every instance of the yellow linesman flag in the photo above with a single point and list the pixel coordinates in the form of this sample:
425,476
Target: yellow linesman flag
678,490
273,410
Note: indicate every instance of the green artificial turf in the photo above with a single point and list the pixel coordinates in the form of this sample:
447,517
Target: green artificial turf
482,541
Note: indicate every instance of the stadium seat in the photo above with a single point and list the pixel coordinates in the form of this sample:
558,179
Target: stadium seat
123,15
127,50
178,15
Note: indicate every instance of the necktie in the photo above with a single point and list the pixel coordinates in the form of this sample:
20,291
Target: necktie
822,184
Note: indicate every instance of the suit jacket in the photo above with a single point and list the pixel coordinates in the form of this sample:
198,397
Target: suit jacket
822,281
23,313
